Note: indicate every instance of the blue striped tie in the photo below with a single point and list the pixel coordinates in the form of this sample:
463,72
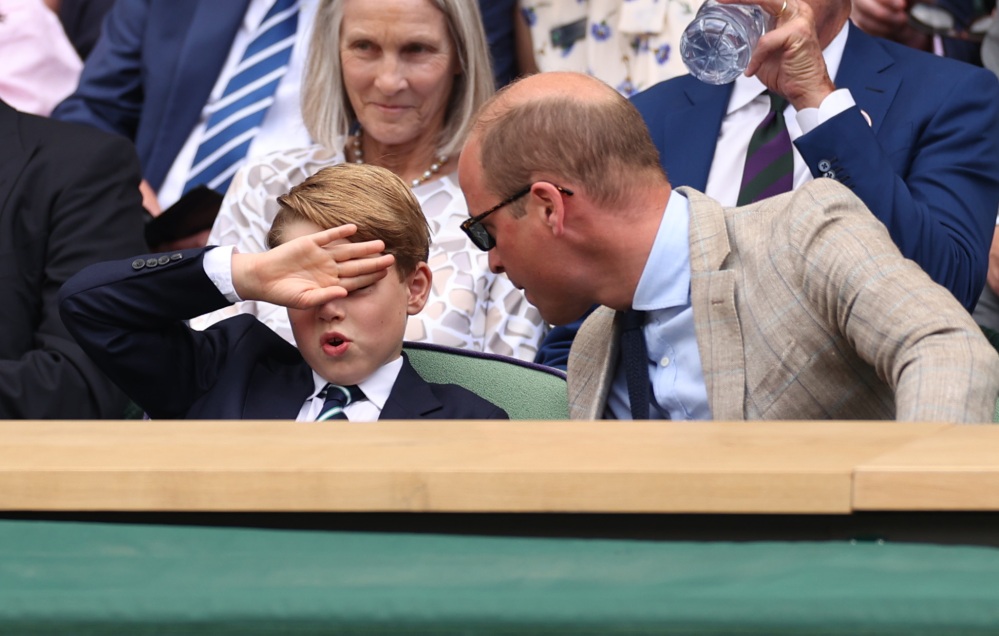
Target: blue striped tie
237,115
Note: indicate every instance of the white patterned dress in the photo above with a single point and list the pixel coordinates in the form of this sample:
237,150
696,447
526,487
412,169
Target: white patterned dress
469,306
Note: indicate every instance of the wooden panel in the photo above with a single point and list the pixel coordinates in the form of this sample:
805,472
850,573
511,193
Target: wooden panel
954,469
766,467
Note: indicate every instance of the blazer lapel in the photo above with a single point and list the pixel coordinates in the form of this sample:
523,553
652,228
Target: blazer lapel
867,70
690,133
411,397
593,363
15,154
716,319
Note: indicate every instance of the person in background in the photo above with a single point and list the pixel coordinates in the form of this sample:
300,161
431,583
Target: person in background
198,86
82,19
68,197
348,260
394,83
799,306
946,27
914,135
38,66
629,44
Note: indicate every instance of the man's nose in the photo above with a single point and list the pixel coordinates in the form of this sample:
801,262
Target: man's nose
495,264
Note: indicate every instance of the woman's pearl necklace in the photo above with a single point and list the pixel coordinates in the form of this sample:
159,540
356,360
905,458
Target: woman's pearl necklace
435,167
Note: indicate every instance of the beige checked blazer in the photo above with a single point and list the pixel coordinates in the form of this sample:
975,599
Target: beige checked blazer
805,309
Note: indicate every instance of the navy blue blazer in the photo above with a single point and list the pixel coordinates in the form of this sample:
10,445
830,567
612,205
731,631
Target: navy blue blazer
927,165
128,316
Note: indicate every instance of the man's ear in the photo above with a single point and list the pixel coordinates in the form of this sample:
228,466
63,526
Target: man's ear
418,287
547,201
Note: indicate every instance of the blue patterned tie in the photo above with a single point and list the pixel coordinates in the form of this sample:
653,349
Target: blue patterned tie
769,169
636,363
337,399
237,115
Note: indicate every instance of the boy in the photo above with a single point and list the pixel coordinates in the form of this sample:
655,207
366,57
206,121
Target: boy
347,302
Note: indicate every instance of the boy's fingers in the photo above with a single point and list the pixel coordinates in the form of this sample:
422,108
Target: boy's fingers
328,236
365,266
348,251
351,283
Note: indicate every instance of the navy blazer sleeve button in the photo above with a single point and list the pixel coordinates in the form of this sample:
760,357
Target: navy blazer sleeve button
824,165
163,260
151,262
829,174
176,257
138,264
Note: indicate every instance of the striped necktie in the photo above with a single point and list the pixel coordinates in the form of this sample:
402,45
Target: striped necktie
337,399
237,115
770,160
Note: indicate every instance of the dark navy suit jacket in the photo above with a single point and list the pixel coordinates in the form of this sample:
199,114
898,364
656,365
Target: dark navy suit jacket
69,197
927,165
128,316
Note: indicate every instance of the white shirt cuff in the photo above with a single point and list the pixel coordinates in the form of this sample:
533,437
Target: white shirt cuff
835,103
218,267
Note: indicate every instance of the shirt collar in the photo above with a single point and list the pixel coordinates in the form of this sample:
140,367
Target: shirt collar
747,89
665,281
376,387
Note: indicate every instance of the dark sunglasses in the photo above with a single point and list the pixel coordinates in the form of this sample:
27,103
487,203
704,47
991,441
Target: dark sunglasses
478,233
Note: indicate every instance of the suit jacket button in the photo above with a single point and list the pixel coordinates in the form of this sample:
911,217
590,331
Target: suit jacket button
152,262
163,260
824,165
829,174
176,257
138,264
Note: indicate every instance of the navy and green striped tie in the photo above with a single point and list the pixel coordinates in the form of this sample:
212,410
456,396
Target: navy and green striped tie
337,398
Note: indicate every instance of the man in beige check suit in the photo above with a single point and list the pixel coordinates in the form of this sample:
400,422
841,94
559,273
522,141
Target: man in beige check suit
797,307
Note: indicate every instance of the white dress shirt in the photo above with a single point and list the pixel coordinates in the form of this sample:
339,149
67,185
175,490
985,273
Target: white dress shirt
282,127
747,108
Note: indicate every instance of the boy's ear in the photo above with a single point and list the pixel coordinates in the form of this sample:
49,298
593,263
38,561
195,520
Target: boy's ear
418,285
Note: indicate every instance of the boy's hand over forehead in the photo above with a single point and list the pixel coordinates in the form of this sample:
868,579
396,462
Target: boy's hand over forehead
310,270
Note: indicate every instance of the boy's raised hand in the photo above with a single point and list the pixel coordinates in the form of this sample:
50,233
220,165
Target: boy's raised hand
310,270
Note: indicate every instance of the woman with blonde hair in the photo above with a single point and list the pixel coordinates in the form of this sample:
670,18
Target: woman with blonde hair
394,83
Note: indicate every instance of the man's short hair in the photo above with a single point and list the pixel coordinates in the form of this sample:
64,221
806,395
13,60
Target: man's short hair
374,199
599,144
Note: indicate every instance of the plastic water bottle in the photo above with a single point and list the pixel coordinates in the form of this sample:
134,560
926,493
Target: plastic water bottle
717,44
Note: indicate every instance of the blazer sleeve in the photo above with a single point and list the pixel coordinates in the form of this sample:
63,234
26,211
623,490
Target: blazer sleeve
79,197
922,343
129,317
941,209
110,93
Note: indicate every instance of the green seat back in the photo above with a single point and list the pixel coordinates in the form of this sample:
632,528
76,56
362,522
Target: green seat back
526,391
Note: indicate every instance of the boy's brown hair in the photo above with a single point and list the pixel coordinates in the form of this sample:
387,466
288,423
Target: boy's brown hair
374,199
